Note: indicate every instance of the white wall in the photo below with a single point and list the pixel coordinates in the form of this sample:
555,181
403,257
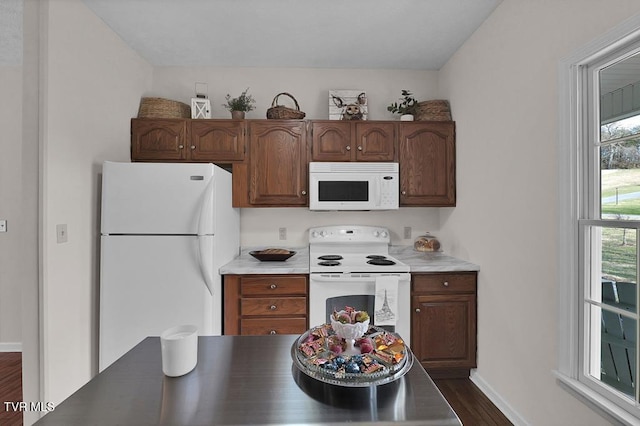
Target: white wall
92,87
502,85
10,206
311,88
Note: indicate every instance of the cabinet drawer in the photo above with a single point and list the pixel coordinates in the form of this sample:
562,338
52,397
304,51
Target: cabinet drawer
256,326
439,283
276,285
273,306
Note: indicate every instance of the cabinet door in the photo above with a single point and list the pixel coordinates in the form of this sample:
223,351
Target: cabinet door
331,141
427,164
217,140
375,141
158,140
444,330
278,163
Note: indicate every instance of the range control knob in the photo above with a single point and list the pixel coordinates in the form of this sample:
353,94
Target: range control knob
384,234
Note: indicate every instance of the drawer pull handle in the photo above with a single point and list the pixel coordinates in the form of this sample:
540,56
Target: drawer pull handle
348,148
273,332
193,147
273,307
446,283
273,286
359,148
180,146
418,310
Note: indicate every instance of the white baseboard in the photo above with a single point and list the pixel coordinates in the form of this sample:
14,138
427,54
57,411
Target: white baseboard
10,347
497,400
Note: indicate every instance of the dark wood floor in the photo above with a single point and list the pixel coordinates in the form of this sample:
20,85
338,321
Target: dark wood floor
471,405
10,387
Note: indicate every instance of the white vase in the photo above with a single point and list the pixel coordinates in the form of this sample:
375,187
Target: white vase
350,332
406,117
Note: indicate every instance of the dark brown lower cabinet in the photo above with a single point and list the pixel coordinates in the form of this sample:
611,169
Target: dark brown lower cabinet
443,322
266,304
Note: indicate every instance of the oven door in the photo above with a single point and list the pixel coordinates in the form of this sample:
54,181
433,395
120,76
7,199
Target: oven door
329,292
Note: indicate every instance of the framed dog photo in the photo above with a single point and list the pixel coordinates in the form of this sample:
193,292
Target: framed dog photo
348,105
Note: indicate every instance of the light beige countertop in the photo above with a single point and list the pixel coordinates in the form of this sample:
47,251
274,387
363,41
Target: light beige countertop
430,261
245,264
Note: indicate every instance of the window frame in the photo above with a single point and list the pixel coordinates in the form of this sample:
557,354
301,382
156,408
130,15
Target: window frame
578,206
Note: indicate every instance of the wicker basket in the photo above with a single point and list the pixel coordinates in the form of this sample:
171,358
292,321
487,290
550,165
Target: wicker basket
279,112
163,108
435,110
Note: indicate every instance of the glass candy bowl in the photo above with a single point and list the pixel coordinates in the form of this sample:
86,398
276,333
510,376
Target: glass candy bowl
313,354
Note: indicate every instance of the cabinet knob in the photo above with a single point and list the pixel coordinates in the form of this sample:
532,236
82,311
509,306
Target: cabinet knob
446,283
273,286
418,310
348,148
273,332
193,147
273,307
304,192
180,146
359,148
404,192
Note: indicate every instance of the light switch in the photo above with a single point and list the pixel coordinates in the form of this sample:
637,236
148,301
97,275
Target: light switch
3,225
61,233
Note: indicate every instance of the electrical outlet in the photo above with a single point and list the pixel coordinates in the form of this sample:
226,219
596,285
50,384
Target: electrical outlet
61,233
407,232
3,225
282,232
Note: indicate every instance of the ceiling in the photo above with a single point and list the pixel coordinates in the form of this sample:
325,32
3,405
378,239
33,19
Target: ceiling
372,34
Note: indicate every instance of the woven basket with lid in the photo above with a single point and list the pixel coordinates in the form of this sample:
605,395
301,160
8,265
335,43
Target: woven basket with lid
434,110
163,108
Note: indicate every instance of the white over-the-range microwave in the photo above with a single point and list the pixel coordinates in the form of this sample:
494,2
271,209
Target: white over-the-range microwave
353,186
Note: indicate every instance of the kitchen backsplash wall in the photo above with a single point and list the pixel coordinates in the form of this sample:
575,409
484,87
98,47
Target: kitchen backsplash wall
310,87
261,226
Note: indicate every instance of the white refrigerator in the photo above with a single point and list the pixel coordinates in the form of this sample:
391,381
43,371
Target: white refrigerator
166,229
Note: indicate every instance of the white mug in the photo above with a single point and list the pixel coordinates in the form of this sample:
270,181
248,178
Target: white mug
179,350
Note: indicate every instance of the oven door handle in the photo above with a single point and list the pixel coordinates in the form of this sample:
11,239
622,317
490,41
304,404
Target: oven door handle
357,277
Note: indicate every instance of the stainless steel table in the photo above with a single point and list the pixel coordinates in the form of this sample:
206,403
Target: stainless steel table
243,380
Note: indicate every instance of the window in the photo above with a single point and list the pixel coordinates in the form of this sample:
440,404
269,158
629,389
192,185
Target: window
599,168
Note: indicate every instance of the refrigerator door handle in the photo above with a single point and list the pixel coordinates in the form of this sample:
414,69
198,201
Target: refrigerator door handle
205,260
205,220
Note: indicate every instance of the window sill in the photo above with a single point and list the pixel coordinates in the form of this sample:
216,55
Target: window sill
610,411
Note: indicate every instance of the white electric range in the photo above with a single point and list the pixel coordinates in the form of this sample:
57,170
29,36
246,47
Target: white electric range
349,265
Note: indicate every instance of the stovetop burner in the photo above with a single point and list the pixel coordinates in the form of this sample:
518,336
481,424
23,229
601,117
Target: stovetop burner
381,262
328,262
330,257
352,249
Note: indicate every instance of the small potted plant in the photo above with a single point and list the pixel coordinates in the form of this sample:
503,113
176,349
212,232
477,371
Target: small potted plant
407,108
238,106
